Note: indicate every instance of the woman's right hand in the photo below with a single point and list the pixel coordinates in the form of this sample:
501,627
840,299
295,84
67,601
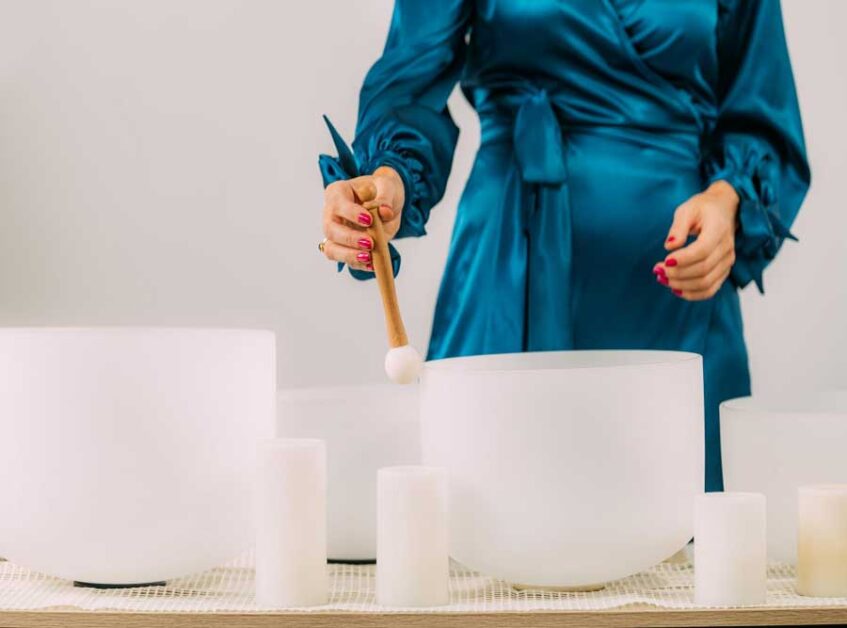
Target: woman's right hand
346,221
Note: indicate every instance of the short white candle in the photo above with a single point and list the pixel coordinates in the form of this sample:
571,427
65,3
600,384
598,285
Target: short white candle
291,566
412,563
822,540
730,549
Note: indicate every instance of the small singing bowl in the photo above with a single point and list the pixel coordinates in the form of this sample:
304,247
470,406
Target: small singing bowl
775,444
365,427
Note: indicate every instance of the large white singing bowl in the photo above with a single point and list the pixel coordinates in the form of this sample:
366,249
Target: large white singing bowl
567,469
365,428
128,453
775,445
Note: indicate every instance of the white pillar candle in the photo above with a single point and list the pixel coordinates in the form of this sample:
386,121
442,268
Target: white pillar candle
291,566
730,549
412,563
822,540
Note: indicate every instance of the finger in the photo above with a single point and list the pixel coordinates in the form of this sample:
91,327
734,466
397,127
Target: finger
351,213
662,278
339,191
701,268
364,188
347,236
702,295
386,213
695,252
360,260
336,194
704,282
384,199
341,203
682,226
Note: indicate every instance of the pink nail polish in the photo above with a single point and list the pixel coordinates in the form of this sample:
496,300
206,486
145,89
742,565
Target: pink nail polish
370,266
658,270
365,219
671,239
671,262
363,257
662,280
677,292
365,243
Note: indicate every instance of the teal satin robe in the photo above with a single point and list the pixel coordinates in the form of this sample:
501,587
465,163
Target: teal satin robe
598,118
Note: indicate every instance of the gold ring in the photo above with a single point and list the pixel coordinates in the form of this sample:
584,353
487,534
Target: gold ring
322,245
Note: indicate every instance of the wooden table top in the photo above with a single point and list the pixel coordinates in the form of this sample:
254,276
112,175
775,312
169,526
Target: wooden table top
634,616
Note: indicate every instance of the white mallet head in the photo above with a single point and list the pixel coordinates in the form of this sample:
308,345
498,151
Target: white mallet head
403,364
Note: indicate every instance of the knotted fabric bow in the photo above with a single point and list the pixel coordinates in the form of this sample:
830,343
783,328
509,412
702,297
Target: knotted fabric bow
537,138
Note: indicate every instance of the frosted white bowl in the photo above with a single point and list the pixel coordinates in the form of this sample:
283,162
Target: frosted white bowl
567,469
775,445
365,428
128,452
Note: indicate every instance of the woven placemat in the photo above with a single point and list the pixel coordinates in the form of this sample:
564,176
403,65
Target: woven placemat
229,588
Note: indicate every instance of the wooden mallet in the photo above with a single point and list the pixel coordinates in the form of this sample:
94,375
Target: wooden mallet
402,362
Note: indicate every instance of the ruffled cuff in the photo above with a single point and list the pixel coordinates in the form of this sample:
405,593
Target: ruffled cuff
411,221
418,143
761,232
346,166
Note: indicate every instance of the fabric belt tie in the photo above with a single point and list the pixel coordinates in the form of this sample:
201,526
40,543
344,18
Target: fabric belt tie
537,138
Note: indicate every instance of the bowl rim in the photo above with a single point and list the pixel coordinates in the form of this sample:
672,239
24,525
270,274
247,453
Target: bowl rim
732,497
785,405
462,362
290,443
826,489
342,391
412,471
47,330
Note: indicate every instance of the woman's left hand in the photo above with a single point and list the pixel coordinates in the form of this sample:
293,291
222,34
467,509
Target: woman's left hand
697,271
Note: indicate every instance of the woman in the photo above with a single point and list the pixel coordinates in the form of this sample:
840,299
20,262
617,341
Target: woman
641,161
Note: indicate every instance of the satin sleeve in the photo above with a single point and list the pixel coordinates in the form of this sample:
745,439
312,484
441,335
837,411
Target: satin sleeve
403,120
757,143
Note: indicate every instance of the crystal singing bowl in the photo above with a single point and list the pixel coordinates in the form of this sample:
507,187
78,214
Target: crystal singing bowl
775,445
365,428
567,469
128,452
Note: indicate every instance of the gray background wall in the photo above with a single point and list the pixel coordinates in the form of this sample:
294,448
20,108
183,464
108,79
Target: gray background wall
158,166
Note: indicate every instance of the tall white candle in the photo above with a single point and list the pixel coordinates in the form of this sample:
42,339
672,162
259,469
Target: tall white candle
822,540
730,549
291,566
412,564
